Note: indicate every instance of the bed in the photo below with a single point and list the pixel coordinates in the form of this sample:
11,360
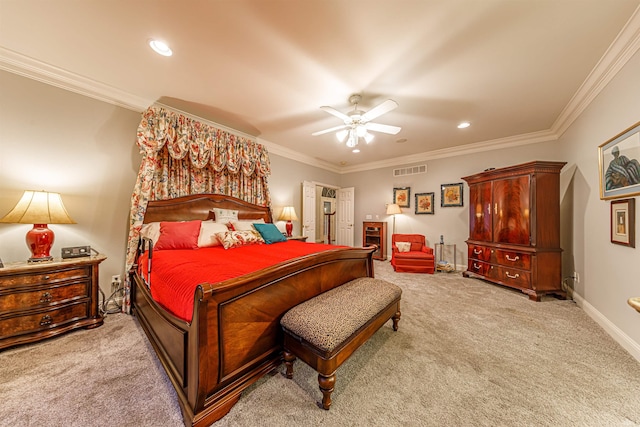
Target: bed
233,337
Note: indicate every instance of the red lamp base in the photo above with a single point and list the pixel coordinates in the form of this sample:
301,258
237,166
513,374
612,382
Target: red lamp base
39,240
289,228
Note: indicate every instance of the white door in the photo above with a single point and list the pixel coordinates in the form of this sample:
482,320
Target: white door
344,212
309,210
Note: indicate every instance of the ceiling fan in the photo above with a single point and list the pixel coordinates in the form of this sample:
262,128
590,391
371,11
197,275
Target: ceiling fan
357,123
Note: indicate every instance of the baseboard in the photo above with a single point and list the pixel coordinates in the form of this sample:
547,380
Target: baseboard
616,333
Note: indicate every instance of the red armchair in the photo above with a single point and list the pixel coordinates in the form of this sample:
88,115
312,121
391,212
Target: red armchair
419,258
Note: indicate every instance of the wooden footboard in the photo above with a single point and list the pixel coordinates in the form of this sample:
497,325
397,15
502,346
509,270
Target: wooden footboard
235,335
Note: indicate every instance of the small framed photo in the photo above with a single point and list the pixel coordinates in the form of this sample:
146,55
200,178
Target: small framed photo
424,203
451,195
401,196
619,165
623,226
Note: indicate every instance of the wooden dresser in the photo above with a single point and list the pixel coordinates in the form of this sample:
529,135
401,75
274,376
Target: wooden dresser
42,300
514,227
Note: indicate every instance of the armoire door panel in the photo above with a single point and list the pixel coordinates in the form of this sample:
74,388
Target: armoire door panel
511,216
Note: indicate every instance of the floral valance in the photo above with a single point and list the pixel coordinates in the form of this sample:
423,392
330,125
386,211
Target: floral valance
204,144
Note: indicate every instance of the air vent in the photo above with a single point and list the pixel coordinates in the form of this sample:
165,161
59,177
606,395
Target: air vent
414,170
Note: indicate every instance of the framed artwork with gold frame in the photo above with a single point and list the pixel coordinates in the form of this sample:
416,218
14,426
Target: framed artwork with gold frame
619,165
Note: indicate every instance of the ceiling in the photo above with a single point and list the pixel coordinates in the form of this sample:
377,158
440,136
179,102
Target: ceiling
519,70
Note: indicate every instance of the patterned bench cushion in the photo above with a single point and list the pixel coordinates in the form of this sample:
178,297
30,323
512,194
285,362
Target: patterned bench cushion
330,318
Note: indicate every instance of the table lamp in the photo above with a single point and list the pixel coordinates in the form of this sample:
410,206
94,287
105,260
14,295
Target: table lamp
288,214
393,209
39,208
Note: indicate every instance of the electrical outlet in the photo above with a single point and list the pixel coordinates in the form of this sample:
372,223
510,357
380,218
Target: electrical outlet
576,277
115,279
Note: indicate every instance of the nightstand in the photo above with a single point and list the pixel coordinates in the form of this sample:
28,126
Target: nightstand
301,238
42,300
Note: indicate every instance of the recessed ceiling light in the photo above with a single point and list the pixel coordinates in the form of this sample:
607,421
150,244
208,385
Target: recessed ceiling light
464,125
401,140
160,47
355,150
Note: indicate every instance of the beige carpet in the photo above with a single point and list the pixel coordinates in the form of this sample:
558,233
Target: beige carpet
467,353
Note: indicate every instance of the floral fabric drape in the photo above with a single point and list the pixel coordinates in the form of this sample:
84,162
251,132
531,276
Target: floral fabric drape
182,156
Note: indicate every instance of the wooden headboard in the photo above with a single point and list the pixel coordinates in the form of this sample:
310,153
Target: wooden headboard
198,206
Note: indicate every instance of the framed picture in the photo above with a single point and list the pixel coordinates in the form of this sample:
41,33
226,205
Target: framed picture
619,165
424,203
623,226
451,195
401,196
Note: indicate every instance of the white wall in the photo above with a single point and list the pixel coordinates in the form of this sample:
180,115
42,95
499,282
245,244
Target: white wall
55,140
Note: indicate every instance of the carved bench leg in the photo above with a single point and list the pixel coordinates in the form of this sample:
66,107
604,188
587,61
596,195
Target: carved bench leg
289,358
326,387
396,319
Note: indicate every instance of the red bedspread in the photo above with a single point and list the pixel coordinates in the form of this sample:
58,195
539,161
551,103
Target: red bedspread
176,273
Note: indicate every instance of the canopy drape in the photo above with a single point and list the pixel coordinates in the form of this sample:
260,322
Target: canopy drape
183,156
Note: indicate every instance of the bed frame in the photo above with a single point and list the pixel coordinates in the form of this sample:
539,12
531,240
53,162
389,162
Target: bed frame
234,337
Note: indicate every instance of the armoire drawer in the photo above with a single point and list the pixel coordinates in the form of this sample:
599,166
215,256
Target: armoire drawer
478,267
512,259
43,296
510,276
482,253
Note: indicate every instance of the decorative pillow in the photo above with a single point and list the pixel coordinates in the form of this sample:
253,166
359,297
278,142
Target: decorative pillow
416,246
151,231
225,215
178,235
270,233
245,225
208,231
233,239
403,246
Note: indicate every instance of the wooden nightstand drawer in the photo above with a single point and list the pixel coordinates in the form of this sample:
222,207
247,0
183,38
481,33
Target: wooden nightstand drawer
43,320
42,297
43,278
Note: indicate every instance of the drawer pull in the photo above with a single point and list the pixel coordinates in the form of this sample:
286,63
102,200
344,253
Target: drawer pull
477,251
512,259
476,266
46,297
510,276
47,277
46,320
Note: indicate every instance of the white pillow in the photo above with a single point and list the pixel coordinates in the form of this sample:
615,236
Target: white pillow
246,225
225,216
151,231
208,230
403,246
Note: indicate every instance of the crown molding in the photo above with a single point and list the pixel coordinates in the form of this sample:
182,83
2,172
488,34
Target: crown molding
298,157
37,70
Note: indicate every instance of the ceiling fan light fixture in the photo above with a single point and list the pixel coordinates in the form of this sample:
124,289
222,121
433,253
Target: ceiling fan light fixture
361,131
341,135
463,125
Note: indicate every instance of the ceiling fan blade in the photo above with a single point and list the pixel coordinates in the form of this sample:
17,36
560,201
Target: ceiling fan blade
377,127
385,107
322,132
336,113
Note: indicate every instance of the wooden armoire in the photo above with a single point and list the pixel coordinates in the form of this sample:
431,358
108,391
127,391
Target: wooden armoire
514,227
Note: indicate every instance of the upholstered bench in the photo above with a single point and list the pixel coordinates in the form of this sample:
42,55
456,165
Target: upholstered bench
324,331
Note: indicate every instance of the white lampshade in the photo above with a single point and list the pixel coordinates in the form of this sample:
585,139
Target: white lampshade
38,207
288,214
342,134
393,209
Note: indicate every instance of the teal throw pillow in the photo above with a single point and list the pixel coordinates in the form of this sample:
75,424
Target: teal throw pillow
270,233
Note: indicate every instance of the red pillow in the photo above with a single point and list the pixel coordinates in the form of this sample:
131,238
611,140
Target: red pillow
178,235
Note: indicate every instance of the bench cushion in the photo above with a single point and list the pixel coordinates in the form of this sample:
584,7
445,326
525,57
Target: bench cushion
330,318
